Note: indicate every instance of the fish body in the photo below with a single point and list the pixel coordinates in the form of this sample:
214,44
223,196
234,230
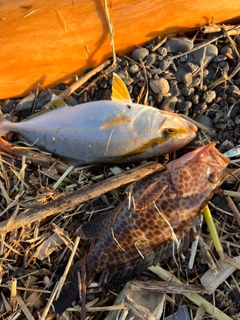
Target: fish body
162,206
105,131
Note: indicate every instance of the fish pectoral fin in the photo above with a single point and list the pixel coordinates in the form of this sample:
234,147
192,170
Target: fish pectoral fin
119,90
150,195
116,120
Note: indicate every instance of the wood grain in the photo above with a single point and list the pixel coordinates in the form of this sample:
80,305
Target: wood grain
60,39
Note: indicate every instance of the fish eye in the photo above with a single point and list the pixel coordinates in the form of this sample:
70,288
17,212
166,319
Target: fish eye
213,177
169,131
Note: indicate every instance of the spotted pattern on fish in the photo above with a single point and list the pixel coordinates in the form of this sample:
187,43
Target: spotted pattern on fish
162,205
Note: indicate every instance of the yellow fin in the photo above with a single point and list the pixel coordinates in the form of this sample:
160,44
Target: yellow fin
58,102
119,90
113,121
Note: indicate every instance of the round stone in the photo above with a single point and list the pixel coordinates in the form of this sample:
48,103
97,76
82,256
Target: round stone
184,105
140,54
196,56
160,86
180,44
209,96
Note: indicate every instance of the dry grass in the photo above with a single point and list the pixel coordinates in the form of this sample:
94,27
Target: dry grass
43,202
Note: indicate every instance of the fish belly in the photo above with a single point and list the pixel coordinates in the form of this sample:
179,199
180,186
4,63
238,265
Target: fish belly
92,132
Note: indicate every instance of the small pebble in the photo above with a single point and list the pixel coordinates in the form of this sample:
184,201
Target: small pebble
220,126
180,44
133,68
237,120
219,58
186,91
165,64
8,105
151,59
43,98
203,119
105,94
226,49
184,75
139,54
195,99
160,86
122,74
26,103
196,56
199,108
169,104
184,105
209,96
162,51
156,71
70,101
223,64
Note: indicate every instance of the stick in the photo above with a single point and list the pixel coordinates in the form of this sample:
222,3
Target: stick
79,196
194,297
32,156
65,93
111,32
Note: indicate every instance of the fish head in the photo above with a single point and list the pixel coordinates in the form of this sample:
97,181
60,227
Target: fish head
199,171
175,131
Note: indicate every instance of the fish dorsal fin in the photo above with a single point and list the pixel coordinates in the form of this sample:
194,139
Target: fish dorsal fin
119,90
58,102
150,195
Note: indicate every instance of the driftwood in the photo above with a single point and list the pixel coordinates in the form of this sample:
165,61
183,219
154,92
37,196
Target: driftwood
79,196
168,287
32,157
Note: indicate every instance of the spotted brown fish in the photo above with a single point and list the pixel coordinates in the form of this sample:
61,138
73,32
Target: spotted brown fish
162,205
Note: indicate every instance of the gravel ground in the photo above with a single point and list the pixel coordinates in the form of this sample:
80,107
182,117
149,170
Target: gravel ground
172,75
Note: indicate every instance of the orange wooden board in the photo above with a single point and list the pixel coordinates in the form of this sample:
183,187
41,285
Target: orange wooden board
60,39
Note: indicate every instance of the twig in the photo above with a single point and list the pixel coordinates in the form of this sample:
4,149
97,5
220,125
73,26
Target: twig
32,157
166,287
194,297
234,210
222,79
231,42
202,66
212,28
159,44
65,93
198,47
80,196
83,287
111,32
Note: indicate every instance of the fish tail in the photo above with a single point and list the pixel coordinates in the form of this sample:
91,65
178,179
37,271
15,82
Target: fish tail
70,290
4,126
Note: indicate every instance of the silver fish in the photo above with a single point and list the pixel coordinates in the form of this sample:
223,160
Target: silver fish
105,131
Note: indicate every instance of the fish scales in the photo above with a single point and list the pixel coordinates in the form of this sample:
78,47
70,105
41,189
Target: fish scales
162,206
104,131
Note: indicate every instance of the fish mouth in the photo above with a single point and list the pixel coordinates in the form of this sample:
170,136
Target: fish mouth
190,125
183,120
207,153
